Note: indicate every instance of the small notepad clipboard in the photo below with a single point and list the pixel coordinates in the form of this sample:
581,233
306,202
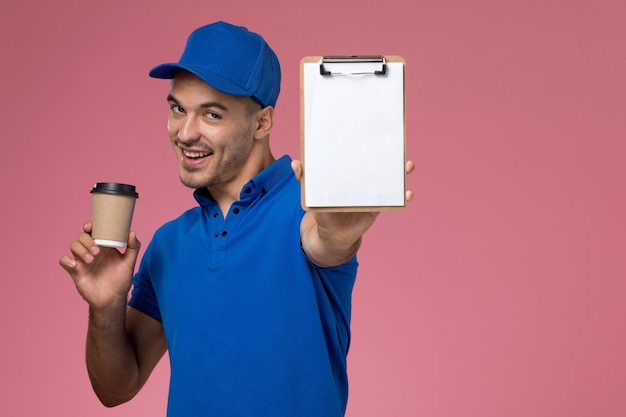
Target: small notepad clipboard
353,133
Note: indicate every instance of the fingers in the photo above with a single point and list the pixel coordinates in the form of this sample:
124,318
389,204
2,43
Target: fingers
296,166
83,249
410,166
67,263
80,254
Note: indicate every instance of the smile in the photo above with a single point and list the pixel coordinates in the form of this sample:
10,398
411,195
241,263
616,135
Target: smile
196,154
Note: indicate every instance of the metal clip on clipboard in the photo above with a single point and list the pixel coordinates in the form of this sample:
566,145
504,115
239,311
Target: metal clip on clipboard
369,65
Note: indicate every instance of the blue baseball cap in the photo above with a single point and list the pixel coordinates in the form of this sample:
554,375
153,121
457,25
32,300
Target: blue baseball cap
230,59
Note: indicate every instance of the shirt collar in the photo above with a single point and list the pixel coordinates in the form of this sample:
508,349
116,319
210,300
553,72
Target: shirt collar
258,186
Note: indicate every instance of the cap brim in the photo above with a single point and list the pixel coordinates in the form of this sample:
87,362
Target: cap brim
167,71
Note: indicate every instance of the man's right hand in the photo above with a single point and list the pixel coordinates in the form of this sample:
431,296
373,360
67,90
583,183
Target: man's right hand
103,276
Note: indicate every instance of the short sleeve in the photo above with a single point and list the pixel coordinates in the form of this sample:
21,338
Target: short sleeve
143,297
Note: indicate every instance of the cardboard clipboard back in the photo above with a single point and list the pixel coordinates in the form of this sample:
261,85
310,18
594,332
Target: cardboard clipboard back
318,59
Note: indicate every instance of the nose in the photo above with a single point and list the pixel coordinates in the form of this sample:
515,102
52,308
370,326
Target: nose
187,127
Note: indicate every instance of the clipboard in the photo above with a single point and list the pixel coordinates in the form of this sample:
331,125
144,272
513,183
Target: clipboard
353,133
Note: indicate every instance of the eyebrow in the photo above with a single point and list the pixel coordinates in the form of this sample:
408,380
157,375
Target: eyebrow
207,105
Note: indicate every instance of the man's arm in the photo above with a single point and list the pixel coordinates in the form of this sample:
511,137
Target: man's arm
123,344
123,347
332,238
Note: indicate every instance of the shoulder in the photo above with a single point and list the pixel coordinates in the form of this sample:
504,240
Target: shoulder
186,220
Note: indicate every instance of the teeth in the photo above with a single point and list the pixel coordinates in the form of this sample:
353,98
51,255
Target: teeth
190,154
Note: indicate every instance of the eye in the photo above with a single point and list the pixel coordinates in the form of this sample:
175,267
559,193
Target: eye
175,108
212,115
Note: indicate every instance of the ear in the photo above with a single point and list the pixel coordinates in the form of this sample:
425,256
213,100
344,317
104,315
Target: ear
265,122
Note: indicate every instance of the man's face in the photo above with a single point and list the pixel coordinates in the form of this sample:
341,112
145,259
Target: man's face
212,133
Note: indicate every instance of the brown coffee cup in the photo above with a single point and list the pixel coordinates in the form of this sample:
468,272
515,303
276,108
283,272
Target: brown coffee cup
112,207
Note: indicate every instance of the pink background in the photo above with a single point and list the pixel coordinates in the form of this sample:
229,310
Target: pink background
499,291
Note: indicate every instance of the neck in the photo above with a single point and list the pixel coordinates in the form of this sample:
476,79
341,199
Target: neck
226,194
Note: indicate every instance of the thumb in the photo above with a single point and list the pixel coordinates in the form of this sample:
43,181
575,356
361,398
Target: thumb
132,248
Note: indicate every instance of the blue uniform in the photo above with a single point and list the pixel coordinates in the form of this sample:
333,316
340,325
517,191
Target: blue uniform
253,327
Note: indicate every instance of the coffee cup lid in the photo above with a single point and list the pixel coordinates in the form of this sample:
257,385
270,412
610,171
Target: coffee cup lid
114,188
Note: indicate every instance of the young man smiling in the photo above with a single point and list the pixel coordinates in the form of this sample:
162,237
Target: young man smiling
221,140
249,294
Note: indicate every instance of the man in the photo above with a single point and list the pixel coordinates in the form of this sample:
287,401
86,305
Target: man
249,294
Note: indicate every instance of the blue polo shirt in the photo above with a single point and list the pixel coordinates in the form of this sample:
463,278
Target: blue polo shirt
253,327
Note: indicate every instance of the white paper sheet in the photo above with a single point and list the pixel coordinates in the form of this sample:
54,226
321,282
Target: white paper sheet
354,137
